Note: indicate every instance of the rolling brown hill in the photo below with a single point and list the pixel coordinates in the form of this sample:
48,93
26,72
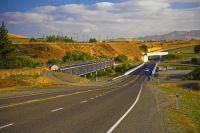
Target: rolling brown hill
44,50
15,36
54,50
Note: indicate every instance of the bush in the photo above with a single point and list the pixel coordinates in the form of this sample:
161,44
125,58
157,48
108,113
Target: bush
26,61
197,48
195,74
77,55
54,61
121,58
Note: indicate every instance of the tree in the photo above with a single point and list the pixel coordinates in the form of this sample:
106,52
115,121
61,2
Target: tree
77,55
121,58
54,61
197,49
93,40
144,48
7,51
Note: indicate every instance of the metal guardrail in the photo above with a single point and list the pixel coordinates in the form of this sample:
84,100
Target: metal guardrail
129,71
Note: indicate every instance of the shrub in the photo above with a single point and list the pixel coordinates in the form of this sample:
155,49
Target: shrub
121,58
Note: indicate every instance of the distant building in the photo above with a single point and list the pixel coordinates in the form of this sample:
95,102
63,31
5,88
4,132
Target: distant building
54,68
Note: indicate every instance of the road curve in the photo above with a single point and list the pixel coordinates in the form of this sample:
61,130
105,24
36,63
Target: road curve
85,109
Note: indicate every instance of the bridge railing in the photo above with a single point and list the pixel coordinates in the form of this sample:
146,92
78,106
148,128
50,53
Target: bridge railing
88,67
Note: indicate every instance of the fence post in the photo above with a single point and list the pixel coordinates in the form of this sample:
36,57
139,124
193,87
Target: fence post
176,100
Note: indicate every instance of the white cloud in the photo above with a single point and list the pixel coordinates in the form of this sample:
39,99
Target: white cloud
18,17
44,9
86,30
131,18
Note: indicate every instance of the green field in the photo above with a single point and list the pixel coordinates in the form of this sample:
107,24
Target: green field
183,61
187,117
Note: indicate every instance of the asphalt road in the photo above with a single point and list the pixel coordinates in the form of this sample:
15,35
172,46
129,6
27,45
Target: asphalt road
124,106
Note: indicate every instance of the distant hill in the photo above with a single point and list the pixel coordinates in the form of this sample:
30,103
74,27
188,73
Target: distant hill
15,36
175,35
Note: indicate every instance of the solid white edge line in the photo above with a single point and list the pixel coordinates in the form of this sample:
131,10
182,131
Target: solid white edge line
56,109
7,125
117,123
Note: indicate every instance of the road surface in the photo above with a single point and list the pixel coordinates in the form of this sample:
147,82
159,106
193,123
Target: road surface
126,106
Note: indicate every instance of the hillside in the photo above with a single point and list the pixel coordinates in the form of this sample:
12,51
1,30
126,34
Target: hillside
176,35
45,51
15,36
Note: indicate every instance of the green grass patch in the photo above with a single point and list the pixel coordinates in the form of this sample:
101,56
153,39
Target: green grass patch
187,117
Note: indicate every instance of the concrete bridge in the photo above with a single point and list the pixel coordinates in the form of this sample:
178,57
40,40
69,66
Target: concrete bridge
154,54
87,67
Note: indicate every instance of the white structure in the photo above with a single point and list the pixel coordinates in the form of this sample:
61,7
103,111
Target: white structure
54,68
154,54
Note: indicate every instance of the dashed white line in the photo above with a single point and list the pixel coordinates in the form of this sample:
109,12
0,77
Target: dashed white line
100,95
91,98
84,101
7,125
97,96
56,109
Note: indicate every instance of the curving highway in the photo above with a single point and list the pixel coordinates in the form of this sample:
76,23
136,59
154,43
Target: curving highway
125,105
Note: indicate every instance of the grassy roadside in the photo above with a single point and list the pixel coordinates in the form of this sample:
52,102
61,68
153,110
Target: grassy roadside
21,82
187,117
70,78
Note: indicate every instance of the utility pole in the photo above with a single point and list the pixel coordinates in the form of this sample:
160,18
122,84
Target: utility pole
99,38
77,37
87,37
74,36
83,38
107,38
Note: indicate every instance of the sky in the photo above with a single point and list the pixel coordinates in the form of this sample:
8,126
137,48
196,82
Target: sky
99,19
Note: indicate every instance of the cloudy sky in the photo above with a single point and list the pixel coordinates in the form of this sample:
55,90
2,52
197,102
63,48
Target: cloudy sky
99,19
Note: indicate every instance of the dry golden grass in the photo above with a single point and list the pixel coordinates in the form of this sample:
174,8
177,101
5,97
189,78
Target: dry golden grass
70,78
16,36
4,73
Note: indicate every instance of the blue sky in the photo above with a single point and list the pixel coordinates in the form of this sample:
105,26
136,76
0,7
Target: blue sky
97,18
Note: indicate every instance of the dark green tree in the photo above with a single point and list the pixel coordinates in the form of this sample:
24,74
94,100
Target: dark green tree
77,55
144,48
7,51
121,58
93,40
197,49
54,61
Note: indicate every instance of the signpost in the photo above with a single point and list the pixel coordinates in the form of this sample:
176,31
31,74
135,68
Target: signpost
176,100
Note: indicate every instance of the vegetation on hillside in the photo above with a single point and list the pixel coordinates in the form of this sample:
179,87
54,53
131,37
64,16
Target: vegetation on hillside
7,53
121,58
92,40
8,58
197,49
77,55
52,38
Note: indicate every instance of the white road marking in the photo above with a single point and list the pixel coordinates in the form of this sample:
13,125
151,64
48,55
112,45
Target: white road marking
60,95
56,109
100,95
32,101
83,101
117,123
97,96
91,98
7,125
